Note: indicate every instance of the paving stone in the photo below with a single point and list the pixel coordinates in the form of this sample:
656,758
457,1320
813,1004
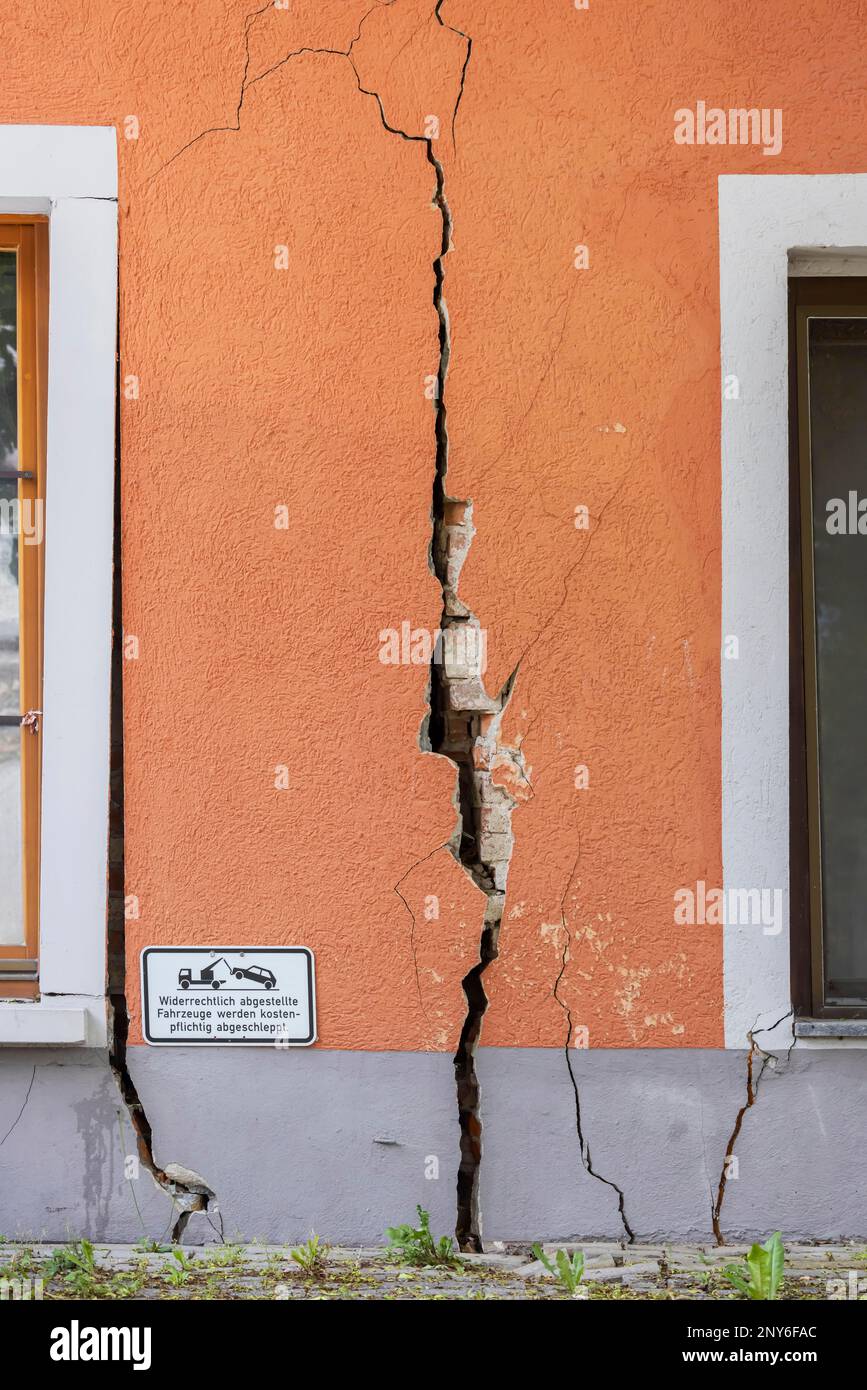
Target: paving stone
496,1259
607,1276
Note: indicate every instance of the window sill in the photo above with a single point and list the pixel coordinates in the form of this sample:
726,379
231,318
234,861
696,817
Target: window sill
42,1025
831,1028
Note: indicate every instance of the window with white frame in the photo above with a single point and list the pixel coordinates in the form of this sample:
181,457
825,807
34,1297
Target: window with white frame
58,318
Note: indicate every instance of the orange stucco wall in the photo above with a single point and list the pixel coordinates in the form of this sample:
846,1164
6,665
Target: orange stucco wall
304,387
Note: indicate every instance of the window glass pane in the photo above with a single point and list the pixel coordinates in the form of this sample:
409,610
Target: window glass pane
11,908
838,447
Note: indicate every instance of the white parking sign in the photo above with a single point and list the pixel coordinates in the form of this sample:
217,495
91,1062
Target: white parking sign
228,994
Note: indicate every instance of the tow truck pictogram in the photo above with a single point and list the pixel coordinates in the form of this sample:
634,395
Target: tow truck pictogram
206,978
259,974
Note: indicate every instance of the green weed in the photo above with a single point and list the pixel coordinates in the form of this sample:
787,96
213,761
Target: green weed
415,1245
764,1270
568,1271
311,1256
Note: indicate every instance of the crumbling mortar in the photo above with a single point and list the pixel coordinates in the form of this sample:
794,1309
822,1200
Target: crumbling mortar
583,1145
768,1059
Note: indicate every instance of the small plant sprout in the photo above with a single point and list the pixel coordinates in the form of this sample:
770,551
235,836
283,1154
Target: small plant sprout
414,1245
764,1270
311,1256
77,1264
77,1258
569,1271
181,1273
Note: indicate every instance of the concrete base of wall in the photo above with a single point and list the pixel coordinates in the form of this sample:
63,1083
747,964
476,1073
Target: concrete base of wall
65,1138
657,1124
299,1141
346,1143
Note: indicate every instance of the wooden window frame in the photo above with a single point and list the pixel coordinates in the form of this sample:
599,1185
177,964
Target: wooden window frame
68,174
809,297
27,237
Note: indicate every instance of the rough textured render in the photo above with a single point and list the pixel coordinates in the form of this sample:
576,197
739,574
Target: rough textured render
419,329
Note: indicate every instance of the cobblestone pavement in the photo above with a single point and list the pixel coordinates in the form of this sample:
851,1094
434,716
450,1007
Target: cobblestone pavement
238,1272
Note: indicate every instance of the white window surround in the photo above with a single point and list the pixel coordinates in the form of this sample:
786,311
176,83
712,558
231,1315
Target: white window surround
70,173
762,218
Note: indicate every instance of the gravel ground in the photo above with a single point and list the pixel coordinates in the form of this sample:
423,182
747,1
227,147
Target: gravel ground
242,1272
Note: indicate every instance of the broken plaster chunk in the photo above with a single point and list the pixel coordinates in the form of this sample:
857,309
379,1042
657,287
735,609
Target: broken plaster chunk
189,1201
459,663
482,754
454,607
471,695
185,1177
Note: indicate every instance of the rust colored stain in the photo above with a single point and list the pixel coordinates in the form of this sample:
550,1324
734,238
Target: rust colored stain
303,388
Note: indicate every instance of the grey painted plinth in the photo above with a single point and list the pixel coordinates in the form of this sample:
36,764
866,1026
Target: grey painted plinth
802,1151
657,1123
294,1141
65,1138
340,1143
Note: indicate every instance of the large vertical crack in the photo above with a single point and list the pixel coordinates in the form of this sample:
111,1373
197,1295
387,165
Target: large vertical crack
463,722
463,725
754,1077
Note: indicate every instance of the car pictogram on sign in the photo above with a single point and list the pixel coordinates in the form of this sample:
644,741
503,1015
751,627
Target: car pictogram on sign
259,974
